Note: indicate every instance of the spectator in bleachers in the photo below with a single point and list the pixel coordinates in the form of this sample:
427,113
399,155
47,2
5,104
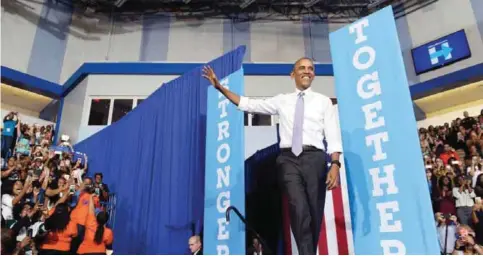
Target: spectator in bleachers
446,229
465,243
447,154
101,189
446,204
44,191
13,195
477,218
464,195
9,131
468,121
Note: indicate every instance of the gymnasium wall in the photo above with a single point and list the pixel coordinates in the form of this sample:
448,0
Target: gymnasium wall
26,117
141,86
72,106
48,40
451,115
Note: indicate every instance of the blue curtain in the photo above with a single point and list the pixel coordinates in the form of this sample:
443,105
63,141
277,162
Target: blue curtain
154,159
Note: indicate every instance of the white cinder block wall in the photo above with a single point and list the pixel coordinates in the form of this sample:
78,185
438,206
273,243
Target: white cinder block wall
32,46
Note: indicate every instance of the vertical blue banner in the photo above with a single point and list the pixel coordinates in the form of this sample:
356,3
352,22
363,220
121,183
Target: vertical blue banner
390,203
225,171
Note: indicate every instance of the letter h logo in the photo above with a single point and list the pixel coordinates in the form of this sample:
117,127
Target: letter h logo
445,52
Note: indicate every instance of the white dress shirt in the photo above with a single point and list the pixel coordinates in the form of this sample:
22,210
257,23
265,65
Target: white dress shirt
320,119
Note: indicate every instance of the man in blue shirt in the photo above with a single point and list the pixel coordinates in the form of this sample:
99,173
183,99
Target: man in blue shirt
10,123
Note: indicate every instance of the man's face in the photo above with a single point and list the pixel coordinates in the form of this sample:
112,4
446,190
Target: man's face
38,163
303,73
194,245
255,243
447,148
98,179
61,182
87,181
11,162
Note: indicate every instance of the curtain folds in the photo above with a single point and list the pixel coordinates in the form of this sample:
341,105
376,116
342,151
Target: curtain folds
154,160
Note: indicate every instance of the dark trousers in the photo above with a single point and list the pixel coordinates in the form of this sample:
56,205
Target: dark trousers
77,241
7,146
303,180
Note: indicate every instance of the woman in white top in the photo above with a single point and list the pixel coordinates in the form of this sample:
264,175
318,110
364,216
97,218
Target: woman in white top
12,197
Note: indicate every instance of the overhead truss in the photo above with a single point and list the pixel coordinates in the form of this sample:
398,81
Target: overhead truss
332,11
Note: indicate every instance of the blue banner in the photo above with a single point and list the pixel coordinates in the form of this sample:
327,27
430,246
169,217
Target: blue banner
390,204
225,171
441,52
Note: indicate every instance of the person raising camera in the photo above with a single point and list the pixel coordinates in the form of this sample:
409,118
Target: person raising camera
465,243
464,195
81,211
97,237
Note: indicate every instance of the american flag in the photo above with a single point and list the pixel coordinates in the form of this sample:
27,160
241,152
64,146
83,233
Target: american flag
336,230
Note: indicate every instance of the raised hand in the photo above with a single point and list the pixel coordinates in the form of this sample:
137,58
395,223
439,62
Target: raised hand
210,75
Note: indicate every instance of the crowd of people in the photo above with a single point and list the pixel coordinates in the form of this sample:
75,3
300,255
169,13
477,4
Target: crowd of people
51,203
453,160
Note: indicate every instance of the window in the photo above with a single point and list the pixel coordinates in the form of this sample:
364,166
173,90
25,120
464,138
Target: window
245,118
99,112
121,108
252,119
108,110
261,120
139,101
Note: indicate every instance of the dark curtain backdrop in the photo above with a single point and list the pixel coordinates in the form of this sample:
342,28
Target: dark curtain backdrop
154,160
263,198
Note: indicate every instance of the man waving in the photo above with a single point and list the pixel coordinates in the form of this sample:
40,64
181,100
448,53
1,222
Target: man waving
306,119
